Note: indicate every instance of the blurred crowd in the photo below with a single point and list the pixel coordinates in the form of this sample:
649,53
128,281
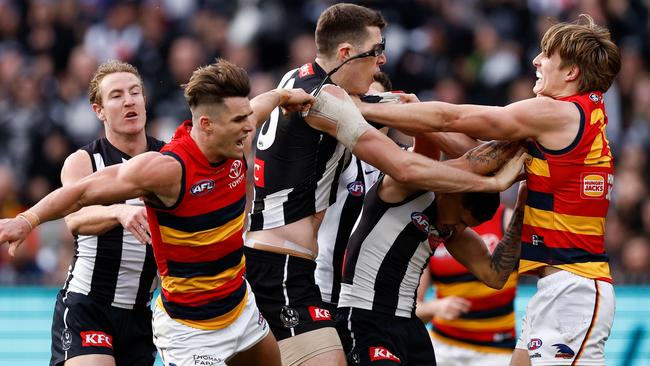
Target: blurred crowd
459,51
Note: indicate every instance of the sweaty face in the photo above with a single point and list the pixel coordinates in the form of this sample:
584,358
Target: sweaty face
231,126
123,105
550,78
360,72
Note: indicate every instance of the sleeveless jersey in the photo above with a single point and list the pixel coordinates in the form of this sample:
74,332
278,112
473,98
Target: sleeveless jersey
489,326
198,241
387,252
296,167
337,225
568,197
113,268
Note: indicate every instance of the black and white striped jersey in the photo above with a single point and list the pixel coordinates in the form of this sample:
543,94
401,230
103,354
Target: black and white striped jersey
296,167
113,268
338,224
387,253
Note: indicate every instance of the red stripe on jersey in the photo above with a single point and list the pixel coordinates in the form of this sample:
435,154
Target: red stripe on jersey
477,336
204,297
501,298
205,253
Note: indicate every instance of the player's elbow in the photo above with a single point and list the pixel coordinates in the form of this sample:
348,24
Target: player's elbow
495,281
406,172
73,223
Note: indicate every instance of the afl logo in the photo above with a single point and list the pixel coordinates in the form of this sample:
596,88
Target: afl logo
356,188
202,187
235,169
534,344
421,221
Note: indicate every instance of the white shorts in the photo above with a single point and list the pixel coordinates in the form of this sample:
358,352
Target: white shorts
568,321
450,355
182,345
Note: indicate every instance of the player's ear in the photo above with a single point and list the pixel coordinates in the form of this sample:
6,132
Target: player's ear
573,73
99,112
343,51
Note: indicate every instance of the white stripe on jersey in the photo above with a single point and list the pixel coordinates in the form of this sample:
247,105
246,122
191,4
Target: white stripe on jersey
329,228
324,185
373,252
131,264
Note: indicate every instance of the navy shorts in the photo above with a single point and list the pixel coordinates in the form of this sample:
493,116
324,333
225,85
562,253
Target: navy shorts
82,326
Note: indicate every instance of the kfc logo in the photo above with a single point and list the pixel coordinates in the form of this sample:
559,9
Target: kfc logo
258,173
318,314
96,339
381,353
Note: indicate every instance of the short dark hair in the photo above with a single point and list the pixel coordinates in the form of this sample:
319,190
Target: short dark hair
481,205
345,23
211,84
384,80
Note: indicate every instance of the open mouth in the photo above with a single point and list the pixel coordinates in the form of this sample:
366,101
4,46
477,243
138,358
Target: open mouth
538,75
131,115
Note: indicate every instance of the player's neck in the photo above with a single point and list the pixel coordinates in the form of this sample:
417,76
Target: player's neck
208,149
131,145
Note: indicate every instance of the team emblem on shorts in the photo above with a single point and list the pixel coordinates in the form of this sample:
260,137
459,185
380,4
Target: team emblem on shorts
563,351
66,339
289,317
534,344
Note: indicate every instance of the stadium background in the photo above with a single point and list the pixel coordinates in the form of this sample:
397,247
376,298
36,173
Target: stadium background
460,51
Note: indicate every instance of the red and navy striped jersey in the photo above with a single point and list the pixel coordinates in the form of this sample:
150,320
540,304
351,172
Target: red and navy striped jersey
568,198
198,241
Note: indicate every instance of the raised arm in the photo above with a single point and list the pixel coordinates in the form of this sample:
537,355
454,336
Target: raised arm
492,269
540,118
98,219
335,113
146,174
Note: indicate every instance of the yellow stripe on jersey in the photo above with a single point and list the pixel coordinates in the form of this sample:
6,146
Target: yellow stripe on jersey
499,323
538,167
200,238
201,283
583,225
455,342
475,288
593,270
595,157
218,322
589,269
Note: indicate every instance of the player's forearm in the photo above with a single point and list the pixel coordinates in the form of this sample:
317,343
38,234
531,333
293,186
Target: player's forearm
442,178
506,254
489,156
265,103
453,144
418,117
93,220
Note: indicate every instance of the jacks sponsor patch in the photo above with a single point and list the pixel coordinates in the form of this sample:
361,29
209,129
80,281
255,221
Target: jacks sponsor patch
593,186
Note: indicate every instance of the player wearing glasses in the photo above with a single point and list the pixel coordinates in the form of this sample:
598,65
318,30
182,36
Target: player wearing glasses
296,173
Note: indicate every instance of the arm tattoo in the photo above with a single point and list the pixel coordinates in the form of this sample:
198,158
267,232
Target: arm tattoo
490,156
506,255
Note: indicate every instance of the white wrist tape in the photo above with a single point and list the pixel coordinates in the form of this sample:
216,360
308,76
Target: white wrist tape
336,106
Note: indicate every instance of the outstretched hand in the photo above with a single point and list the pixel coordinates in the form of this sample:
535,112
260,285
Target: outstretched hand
13,232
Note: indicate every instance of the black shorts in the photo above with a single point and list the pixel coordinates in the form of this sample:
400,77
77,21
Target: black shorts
381,339
89,327
286,292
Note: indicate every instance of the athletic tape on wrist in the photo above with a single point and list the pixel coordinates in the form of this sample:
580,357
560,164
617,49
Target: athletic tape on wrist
31,218
350,124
